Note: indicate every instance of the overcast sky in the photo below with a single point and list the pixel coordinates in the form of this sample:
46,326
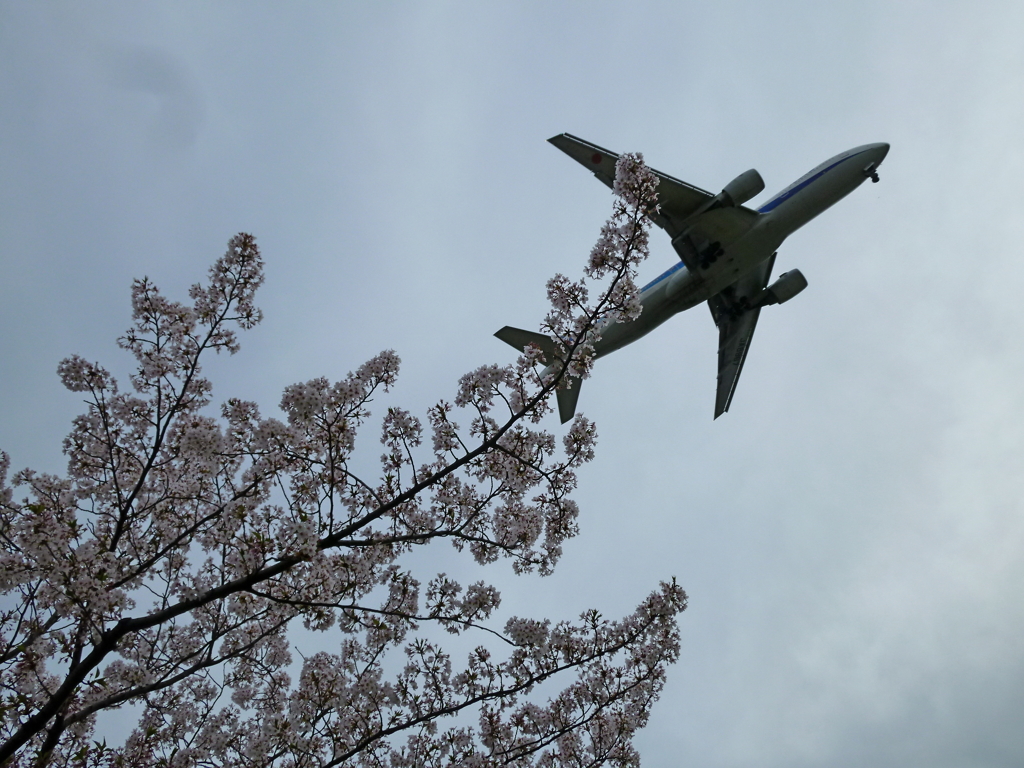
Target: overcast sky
850,533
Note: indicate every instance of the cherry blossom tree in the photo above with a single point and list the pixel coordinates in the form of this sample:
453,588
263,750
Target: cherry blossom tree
164,570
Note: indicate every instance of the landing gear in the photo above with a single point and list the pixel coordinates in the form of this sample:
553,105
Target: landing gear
711,254
741,306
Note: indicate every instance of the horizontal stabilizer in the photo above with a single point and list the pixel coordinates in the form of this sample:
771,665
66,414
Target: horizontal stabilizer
568,397
520,339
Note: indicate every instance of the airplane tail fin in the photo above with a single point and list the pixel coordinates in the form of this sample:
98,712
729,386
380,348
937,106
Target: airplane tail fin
520,339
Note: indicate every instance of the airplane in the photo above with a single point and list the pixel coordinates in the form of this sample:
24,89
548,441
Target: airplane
726,254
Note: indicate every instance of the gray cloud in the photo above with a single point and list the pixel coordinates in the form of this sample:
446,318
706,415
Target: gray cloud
850,533
175,110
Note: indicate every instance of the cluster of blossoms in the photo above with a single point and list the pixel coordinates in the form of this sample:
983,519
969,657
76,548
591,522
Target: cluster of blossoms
165,569
575,321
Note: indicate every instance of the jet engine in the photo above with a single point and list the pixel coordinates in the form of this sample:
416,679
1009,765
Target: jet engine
785,288
741,189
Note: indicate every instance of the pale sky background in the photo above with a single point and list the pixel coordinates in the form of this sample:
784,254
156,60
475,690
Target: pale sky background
850,533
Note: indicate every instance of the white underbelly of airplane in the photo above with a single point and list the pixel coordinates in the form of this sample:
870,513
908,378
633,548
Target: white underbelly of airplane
686,289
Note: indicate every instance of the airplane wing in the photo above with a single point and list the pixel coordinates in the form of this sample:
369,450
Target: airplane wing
693,232
736,322
678,199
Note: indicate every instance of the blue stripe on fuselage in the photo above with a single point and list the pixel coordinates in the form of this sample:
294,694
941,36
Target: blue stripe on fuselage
786,194
770,205
662,276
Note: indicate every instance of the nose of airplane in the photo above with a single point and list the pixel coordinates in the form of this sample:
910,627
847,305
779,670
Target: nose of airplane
883,150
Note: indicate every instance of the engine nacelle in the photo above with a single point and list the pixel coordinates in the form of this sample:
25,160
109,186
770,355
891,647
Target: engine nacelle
785,288
742,188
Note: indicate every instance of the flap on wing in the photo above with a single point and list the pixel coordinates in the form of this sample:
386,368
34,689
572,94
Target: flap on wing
677,199
734,339
736,321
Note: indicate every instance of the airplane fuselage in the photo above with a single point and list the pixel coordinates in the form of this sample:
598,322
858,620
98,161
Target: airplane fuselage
679,288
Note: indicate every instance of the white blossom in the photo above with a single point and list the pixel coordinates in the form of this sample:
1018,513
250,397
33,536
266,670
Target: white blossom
165,568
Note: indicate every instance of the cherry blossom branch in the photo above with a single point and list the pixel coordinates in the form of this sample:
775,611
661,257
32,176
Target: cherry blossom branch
196,490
